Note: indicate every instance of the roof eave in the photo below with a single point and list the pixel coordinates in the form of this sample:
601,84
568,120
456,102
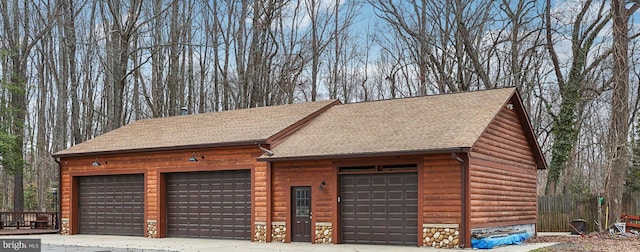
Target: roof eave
165,148
366,155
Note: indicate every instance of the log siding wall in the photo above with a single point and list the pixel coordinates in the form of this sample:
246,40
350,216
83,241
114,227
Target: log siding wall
308,173
440,185
503,175
259,190
442,194
152,165
285,175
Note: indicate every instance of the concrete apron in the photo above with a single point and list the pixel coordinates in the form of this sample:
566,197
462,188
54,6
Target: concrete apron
186,244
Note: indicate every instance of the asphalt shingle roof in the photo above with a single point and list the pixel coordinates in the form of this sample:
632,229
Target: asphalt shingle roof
427,123
218,128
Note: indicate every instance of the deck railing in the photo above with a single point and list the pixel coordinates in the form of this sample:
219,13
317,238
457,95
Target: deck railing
33,220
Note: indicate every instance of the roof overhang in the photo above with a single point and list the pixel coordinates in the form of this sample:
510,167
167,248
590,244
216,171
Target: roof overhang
367,155
167,148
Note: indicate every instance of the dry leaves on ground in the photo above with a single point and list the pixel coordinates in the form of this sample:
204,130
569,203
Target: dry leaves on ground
591,242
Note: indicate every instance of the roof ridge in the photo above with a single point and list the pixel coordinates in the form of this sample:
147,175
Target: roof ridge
435,95
235,110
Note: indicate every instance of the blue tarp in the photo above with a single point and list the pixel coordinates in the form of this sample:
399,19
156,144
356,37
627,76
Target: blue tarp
489,243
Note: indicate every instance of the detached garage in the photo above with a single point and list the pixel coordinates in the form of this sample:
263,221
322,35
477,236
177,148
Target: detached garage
422,171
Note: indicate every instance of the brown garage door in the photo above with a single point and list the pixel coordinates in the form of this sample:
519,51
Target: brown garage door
111,205
379,208
209,204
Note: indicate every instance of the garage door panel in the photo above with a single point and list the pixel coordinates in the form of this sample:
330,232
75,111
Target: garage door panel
219,204
379,208
111,205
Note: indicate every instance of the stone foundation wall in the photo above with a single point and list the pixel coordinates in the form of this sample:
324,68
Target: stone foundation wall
324,233
441,235
278,232
64,228
152,229
260,232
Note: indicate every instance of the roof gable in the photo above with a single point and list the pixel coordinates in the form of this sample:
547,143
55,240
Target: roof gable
227,128
418,124
525,122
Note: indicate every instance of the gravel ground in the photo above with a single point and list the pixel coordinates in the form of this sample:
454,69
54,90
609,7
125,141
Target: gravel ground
591,242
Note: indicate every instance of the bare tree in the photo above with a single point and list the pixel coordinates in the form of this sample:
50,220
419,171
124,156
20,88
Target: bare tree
338,59
320,15
20,36
575,89
618,151
173,82
411,24
445,40
119,33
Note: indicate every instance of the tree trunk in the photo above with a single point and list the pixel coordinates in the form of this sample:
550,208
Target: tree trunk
19,107
69,33
120,33
173,81
619,127
157,63
41,154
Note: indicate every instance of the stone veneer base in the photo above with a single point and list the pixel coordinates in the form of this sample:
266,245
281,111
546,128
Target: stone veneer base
64,228
324,233
441,235
278,232
260,232
152,229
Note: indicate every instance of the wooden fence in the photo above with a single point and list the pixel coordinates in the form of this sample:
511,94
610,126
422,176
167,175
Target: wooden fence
556,212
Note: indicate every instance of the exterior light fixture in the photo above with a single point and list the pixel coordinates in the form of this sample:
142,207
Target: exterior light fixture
194,159
95,163
322,184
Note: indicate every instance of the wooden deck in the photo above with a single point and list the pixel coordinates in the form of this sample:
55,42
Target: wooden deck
27,231
26,223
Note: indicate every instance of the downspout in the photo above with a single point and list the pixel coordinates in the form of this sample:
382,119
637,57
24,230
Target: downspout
266,151
269,182
465,230
59,198
269,204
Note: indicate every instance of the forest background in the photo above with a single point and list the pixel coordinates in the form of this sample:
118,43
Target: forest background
71,70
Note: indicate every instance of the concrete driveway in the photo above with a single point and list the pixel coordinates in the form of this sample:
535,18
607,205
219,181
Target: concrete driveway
104,243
